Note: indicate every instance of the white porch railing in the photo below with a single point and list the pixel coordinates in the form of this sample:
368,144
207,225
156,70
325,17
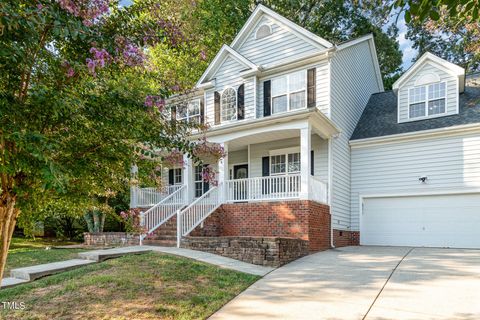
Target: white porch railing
263,188
148,197
193,215
318,190
162,211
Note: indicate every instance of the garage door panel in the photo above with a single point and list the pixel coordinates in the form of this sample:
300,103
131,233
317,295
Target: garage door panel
437,221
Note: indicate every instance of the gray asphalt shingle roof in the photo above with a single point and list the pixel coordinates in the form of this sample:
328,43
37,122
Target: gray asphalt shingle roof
380,115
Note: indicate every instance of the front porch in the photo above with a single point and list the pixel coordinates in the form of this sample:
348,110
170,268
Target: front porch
273,183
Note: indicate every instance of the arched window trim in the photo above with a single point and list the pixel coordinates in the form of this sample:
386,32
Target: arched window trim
222,104
262,25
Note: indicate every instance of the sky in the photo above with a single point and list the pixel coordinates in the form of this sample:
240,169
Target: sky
405,45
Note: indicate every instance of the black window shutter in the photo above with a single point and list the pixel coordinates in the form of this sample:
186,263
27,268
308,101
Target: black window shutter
311,87
265,173
171,177
265,166
202,111
217,107
267,97
241,102
312,169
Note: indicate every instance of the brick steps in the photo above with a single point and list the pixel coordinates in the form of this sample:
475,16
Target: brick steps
165,235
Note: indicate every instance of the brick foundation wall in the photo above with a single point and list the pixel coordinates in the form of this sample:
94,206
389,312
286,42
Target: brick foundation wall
110,239
299,219
342,238
265,251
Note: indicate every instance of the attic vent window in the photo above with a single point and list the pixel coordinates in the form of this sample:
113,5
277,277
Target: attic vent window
263,31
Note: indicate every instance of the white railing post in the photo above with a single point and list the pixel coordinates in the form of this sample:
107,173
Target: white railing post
179,228
133,197
142,224
305,161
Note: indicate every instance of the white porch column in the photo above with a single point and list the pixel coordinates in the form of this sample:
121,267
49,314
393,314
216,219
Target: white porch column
223,173
188,177
305,165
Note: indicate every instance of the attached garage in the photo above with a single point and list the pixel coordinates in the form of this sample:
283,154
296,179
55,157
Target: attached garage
424,220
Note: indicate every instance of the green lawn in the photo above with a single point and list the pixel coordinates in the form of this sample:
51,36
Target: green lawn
28,252
147,286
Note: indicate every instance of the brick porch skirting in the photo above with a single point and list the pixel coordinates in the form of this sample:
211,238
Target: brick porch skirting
297,219
110,239
264,251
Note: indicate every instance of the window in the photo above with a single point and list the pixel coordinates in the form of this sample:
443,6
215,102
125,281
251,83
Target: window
263,31
289,92
229,104
189,111
285,163
427,100
177,176
198,177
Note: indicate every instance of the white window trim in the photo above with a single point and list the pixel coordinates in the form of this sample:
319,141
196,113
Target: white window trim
285,152
287,75
189,116
175,183
261,25
221,105
426,101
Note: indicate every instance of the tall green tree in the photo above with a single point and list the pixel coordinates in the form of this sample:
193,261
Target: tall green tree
76,108
449,29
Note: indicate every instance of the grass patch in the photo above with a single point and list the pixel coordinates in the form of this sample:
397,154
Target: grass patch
147,286
29,252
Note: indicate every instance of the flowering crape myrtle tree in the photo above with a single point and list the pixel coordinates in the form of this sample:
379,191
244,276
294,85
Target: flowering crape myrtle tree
78,96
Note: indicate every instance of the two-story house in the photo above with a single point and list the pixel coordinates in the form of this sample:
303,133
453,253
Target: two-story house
305,161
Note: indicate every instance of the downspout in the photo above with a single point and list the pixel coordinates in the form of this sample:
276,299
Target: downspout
330,188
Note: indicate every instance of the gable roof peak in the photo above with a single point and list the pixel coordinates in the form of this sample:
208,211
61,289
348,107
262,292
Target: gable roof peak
442,63
224,51
261,10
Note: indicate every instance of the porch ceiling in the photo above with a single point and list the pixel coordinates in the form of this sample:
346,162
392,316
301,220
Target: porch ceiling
243,142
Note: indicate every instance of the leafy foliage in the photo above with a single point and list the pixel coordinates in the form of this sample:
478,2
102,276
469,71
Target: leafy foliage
449,29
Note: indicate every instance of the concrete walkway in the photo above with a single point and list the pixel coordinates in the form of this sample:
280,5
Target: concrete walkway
214,259
366,283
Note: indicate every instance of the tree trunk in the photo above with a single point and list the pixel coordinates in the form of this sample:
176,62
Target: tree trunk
8,218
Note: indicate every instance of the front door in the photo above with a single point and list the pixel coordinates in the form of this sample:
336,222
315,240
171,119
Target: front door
240,187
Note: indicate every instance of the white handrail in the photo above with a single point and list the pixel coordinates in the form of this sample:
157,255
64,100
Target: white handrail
318,190
193,215
147,197
264,188
162,211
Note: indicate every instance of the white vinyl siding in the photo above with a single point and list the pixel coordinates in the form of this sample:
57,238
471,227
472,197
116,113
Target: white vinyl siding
353,82
280,46
451,92
450,163
322,87
226,76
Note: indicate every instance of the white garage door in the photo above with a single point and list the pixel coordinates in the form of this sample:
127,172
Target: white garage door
430,221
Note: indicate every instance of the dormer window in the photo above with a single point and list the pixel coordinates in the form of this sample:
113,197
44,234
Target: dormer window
263,31
229,104
428,100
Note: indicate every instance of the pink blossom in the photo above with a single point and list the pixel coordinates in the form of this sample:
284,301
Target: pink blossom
203,55
70,72
88,10
39,6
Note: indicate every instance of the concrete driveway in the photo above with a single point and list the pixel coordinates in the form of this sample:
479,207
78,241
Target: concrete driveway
367,283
